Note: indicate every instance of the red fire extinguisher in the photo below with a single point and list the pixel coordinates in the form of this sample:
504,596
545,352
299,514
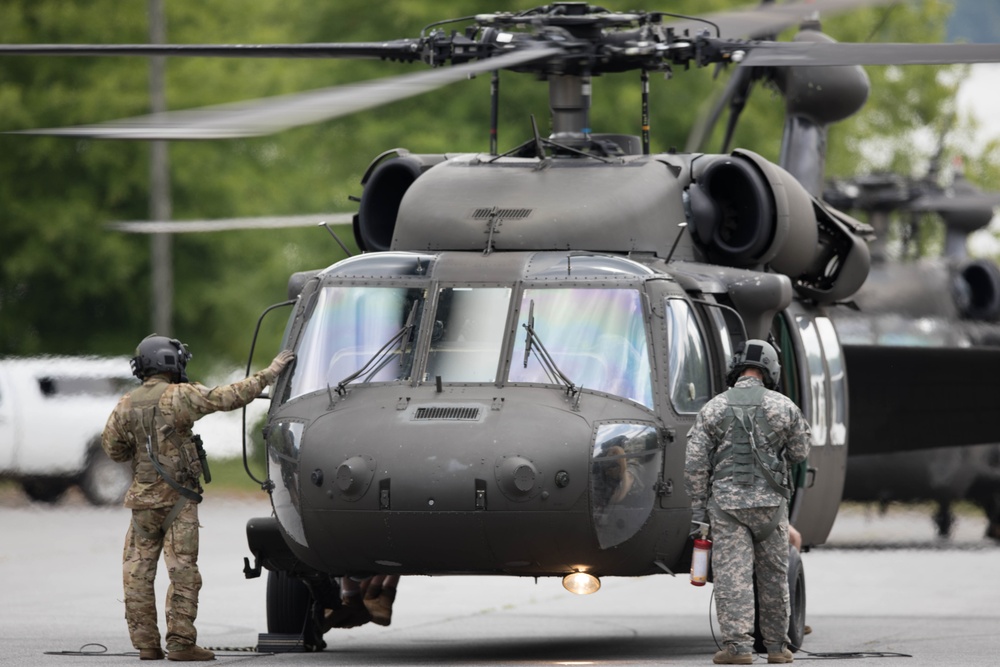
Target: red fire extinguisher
700,557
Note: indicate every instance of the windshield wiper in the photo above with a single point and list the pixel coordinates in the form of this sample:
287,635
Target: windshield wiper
545,359
384,355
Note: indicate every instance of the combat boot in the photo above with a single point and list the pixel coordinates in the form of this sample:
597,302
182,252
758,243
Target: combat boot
780,658
730,656
190,654
151,654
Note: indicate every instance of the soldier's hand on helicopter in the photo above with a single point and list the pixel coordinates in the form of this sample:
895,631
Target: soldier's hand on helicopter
284,358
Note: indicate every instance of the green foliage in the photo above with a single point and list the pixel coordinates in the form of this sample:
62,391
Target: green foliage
69,285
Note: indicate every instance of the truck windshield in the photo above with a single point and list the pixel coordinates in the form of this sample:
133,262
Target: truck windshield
596,337
347,328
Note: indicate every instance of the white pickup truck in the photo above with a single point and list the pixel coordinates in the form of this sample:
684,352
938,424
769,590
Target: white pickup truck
52,413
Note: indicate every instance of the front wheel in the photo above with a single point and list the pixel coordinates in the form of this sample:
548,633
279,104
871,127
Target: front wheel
104,482
290,610
797,605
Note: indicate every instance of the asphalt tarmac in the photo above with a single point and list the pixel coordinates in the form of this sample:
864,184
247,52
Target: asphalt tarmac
884,586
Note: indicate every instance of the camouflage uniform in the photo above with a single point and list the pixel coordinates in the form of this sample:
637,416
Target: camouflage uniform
152,499
740,510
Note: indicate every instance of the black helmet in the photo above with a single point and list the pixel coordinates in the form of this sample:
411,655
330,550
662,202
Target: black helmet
159,354
756,354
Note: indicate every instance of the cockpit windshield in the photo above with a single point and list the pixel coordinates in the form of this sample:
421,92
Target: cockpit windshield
596,337
348,327
468,334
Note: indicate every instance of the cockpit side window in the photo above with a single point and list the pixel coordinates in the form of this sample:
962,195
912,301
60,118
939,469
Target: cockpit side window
688,377
467,338
595,336
352,326
817,406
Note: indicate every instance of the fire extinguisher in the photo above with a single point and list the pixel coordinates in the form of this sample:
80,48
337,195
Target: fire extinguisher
700,557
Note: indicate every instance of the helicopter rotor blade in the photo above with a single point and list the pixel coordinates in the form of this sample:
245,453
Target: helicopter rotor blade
229,224
274,114
754,23
812,54
400,49
957,204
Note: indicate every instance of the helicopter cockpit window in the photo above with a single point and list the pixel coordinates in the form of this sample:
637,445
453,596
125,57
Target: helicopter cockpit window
284,438
348,328
468,334
624,470
838,380
596,337
688,367
560,265
817,379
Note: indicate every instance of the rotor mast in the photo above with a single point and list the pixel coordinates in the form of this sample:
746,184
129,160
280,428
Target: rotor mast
569,103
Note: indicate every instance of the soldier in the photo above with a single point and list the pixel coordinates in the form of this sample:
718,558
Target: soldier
736,474
151,428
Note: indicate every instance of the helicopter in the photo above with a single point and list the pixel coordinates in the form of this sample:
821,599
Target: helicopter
949,300
953,300
502,382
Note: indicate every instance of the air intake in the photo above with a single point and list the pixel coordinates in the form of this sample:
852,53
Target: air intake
448,413
501,213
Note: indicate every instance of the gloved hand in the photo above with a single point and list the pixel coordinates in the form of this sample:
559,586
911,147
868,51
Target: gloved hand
699,515
284,358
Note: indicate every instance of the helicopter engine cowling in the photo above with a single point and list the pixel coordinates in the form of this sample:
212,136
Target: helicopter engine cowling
977,290
385,183
748,212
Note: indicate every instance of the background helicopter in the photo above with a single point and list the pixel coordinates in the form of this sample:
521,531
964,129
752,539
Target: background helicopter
909,299
949,300
483,239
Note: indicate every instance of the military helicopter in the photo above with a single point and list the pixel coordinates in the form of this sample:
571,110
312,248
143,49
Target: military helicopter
949,300
503,381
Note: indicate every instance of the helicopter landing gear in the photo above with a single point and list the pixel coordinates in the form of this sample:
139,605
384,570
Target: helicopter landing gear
291,610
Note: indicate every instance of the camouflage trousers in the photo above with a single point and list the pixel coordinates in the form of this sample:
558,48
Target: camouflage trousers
735,560
180,553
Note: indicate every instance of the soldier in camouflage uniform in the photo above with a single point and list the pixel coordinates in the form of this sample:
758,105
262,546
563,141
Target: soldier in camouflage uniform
738,454
151,428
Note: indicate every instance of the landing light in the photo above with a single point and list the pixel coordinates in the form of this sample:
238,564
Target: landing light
581,583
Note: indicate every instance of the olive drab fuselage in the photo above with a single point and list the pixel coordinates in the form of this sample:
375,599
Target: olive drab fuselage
457,450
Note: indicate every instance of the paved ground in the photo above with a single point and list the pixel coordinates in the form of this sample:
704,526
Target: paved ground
885,585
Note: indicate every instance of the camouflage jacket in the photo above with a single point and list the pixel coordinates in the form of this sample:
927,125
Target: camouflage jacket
706,438
180,405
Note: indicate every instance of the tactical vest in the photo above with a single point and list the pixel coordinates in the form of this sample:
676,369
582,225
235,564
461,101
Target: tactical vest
752,444
176,458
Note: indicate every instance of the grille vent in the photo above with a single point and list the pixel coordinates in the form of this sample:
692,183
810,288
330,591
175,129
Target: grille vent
454,413
502,213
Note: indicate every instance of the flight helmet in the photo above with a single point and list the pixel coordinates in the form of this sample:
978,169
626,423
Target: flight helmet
756,354
159,354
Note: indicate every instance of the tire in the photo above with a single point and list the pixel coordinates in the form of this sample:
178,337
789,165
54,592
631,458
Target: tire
291,610
288,603
796,603
104,482
45,489
796,599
